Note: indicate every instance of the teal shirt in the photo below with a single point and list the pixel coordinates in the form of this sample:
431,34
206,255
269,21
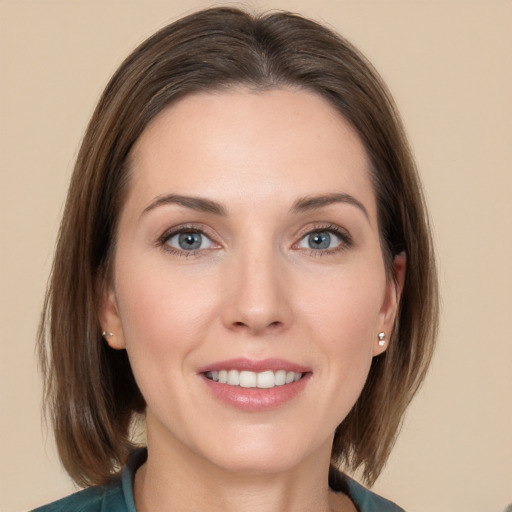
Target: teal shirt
117,496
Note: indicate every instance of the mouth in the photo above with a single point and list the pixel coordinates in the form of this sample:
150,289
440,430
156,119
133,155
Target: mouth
255,385
248,379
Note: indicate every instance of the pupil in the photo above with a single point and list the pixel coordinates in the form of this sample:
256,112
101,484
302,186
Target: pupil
190,241
320,241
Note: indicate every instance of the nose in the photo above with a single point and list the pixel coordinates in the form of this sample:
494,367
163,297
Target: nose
258,302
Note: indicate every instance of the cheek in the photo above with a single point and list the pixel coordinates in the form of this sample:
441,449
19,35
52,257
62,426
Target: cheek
160,308
344,320
347,307
163,316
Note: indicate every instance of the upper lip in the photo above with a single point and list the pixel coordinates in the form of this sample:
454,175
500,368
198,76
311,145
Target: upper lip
252,365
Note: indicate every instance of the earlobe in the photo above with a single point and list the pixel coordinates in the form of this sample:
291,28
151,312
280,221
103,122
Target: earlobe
390,305
109,318
380,344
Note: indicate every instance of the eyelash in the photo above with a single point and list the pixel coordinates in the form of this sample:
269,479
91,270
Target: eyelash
345,240
167,235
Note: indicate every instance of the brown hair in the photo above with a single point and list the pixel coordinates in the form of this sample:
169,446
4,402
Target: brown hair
90,390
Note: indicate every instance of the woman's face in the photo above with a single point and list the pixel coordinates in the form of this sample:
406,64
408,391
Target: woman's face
248,248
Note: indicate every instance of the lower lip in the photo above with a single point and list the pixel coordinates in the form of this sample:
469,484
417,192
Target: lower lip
256,399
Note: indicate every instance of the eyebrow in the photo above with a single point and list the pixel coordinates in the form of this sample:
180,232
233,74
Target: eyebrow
315,202
194,203
304,204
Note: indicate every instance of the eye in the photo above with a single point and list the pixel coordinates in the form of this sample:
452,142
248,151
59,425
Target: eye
189,241
324,239
319,240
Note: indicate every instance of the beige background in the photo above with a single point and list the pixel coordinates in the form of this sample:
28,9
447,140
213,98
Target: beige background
449,66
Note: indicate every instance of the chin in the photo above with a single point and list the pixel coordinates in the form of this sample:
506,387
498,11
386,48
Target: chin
251,464
256,455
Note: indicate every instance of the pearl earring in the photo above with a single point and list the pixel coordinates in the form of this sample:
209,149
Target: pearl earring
382,338
105,334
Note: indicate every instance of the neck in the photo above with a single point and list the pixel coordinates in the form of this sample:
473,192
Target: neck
175,478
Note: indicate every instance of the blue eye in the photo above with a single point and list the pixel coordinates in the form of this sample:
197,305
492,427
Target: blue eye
320,240
189,241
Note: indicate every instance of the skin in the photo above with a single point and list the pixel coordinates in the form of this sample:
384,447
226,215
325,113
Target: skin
255,289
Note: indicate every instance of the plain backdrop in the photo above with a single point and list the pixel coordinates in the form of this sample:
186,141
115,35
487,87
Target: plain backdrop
448,64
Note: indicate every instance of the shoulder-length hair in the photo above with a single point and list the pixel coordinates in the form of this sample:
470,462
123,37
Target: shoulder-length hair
90,390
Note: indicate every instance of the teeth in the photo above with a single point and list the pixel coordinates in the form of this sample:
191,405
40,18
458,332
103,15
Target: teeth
280,377
233,378
266,380
247,379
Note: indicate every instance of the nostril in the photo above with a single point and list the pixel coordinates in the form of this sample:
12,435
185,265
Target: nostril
244,325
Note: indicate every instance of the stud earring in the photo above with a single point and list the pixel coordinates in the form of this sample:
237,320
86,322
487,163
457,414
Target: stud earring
105,334
382,338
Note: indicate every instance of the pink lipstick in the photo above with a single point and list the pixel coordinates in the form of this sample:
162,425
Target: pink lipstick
251,385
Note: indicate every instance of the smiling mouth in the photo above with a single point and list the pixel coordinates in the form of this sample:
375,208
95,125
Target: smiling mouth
247,379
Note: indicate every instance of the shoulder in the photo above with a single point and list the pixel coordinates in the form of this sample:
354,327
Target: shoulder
94,499
368,501
365,500
115,496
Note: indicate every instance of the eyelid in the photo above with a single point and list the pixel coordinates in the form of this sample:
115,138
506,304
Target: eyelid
186,228
342,234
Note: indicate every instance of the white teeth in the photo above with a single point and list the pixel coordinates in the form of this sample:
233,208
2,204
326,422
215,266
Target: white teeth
246,379
280,377
265,380
233,378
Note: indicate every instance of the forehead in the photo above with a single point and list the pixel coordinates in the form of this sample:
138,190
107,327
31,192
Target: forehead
252,144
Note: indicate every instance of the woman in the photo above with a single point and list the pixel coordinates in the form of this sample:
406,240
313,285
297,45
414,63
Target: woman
245,259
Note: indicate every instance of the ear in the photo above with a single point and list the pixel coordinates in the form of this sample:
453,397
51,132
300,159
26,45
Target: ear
110,320
389,308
